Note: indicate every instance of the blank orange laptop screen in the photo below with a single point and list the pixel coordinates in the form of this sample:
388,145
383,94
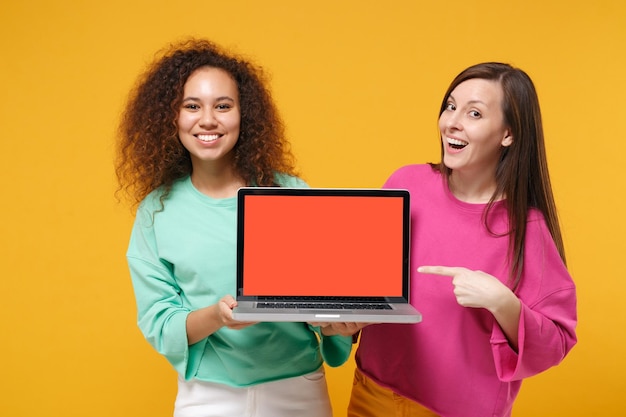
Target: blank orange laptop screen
323,246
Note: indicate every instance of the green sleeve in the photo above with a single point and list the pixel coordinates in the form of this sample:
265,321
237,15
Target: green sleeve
335,350
161,315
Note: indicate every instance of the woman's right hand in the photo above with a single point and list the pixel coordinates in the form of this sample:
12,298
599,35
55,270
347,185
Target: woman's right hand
205,321
225,314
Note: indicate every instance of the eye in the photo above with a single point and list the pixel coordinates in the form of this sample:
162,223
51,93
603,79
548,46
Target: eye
450,106
191,106
223,106
475,114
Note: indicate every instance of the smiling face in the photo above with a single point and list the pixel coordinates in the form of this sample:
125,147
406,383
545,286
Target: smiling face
472,127
209,117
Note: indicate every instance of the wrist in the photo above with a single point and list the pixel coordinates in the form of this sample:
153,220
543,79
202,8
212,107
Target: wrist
506,302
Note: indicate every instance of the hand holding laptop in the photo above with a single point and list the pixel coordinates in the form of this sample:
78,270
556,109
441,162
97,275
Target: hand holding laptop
225,311
339,328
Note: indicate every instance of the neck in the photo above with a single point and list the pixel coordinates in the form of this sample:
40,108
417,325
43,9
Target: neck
216,182
476,189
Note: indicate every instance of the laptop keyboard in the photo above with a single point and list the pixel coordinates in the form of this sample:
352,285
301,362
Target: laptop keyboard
326,306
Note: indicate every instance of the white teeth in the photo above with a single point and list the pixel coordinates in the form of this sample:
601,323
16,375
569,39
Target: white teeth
456,142
208,138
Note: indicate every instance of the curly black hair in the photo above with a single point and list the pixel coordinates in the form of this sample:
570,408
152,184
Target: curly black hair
150,154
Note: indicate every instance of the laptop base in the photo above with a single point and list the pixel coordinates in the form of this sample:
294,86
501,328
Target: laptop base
401,314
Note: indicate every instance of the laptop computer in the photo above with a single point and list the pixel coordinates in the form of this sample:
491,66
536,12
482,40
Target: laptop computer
323,255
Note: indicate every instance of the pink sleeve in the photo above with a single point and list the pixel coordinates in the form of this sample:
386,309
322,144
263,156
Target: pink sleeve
548,317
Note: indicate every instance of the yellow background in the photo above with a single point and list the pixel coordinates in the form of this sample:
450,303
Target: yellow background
359,84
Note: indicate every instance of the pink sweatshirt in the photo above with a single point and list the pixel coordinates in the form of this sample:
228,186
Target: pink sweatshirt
457,361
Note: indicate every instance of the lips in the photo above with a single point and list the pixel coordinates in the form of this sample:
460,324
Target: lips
456,143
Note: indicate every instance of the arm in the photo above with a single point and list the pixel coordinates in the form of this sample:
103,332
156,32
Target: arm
546,335
506,309
164,317
205,321
335,348
548,313
478,289
545,306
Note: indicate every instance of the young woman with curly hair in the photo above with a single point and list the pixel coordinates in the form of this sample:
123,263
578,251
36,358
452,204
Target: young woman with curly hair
200,124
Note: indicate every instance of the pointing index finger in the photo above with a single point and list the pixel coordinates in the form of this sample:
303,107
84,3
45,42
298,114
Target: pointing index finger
448,271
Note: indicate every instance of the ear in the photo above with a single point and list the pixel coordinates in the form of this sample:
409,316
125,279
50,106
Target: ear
508,139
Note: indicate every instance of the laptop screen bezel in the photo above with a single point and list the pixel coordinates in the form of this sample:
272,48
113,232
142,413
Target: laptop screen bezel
358,192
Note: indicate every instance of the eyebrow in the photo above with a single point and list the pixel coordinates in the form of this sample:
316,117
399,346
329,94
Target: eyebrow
469,102
221,98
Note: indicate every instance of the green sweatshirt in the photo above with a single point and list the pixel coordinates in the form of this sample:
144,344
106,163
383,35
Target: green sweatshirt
183,258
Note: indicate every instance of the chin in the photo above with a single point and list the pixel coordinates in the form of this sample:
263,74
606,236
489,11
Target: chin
448,163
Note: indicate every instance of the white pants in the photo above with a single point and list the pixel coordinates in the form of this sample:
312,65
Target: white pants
303,396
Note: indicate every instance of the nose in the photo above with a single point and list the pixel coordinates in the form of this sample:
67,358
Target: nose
451,120
207,118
